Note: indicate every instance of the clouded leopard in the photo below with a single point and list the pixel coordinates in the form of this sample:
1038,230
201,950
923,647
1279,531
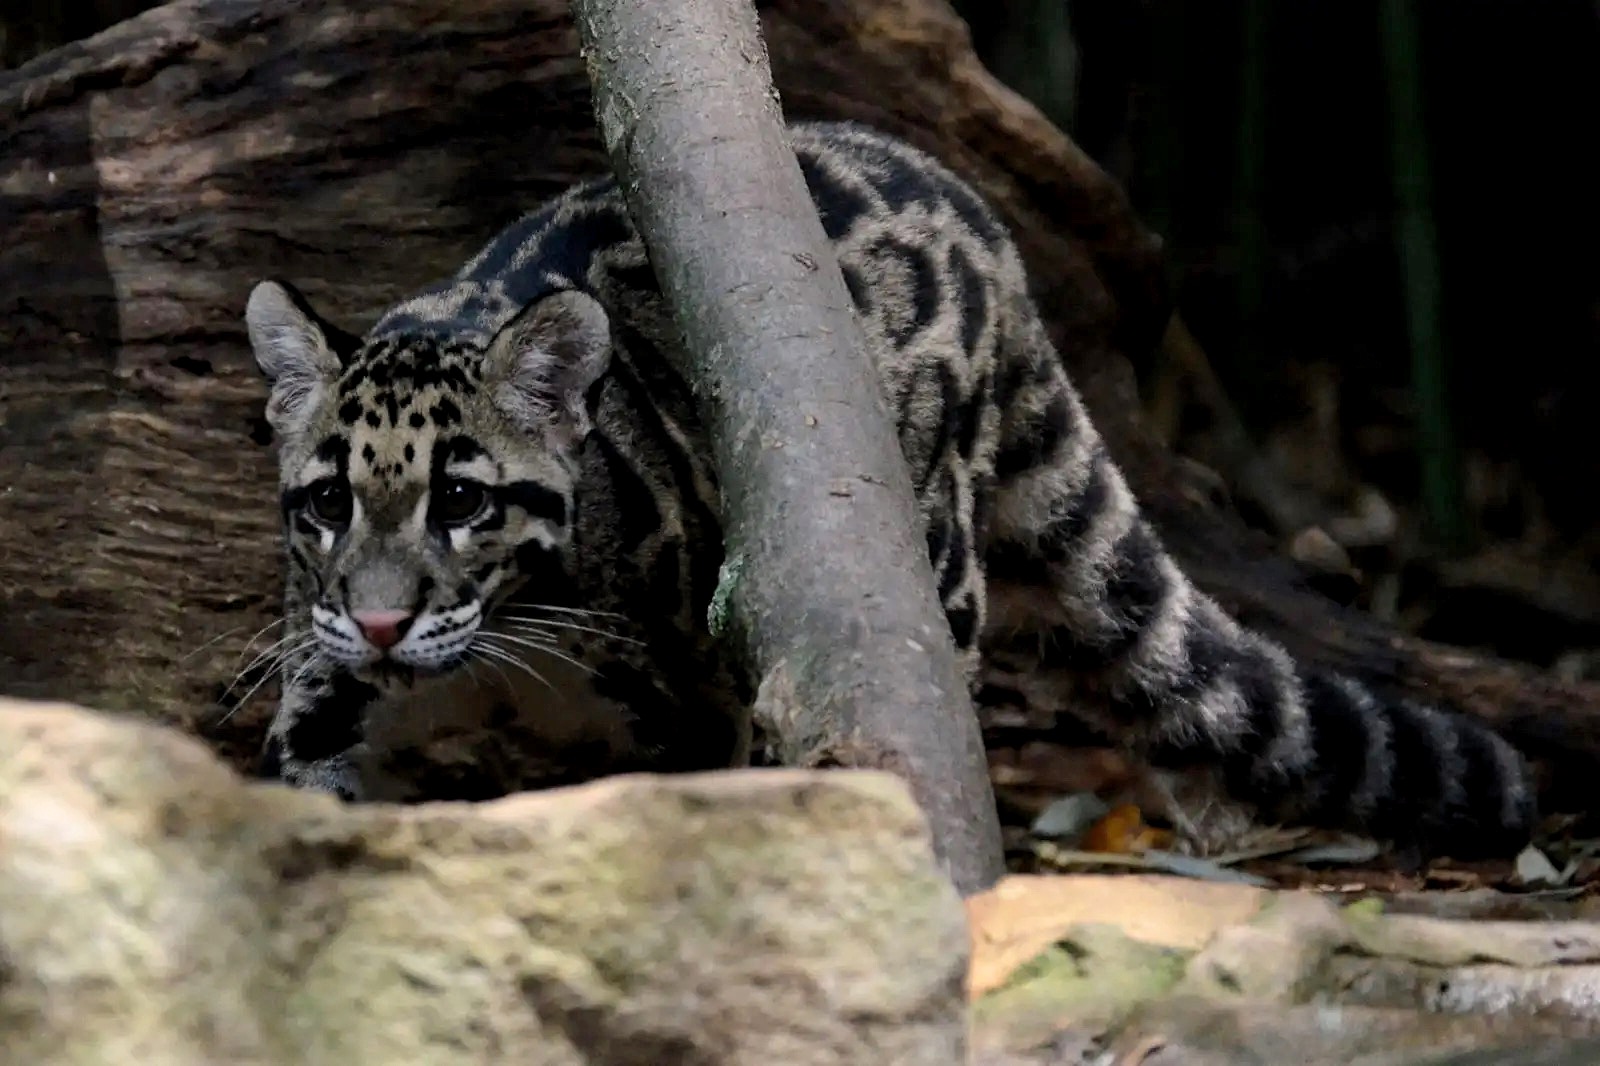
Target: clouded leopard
502,533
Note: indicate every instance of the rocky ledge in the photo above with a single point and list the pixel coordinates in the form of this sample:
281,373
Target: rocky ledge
156,908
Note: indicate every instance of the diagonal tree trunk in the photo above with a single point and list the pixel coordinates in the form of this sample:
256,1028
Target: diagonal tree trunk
829,594
151,174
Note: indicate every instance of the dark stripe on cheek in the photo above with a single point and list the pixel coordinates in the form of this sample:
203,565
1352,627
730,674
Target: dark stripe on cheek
303,565
533,557
538,500
497,516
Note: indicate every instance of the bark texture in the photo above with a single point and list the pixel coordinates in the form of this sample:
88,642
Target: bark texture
150,175
828,591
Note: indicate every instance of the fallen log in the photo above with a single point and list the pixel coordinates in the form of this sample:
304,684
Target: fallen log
151,174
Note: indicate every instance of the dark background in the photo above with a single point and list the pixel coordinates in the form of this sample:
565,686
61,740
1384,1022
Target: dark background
1314,164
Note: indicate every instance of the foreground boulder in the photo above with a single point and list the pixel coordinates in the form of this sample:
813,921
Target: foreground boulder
156,908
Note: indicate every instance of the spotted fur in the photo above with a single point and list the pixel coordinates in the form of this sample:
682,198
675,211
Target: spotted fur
558,630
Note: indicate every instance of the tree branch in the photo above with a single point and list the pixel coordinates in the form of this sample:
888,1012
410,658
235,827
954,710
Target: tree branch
828,588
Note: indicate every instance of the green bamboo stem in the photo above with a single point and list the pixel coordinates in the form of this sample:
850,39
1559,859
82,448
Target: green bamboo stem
1420,275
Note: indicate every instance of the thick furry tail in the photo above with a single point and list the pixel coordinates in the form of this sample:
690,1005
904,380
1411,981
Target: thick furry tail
1312,747
1092,618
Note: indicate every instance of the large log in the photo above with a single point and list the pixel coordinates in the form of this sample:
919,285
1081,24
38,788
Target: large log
150,175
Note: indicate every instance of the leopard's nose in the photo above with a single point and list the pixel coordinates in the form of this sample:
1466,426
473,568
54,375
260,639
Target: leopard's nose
383,629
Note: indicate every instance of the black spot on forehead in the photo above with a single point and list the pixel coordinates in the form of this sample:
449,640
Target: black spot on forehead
334,449
457,449
445,413
418,361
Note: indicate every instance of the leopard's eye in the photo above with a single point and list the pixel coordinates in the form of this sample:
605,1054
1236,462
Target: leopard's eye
330,502
457,502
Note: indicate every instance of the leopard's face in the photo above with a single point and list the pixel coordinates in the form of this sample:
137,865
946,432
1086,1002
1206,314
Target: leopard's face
413,505
424,480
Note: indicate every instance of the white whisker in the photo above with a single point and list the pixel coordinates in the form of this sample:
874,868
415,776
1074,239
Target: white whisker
266,654
267,674
225,634
305,667
511,660
475,656
557,625
267,662
258,634
536,645
560,610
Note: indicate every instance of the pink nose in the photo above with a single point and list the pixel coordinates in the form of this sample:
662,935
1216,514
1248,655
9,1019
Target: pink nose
382,628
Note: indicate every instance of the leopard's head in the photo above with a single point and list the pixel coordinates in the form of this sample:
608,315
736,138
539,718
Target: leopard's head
424,477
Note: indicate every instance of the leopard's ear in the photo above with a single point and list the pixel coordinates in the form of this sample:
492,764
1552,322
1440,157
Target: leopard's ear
544,360
299,352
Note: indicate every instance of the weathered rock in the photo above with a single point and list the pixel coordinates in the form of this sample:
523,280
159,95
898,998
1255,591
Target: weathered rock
155,908
1162,971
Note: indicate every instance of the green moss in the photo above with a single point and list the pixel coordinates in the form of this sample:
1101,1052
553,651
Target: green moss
719,615
1093,975
1363,910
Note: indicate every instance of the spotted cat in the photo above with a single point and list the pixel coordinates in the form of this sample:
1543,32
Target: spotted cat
502,534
